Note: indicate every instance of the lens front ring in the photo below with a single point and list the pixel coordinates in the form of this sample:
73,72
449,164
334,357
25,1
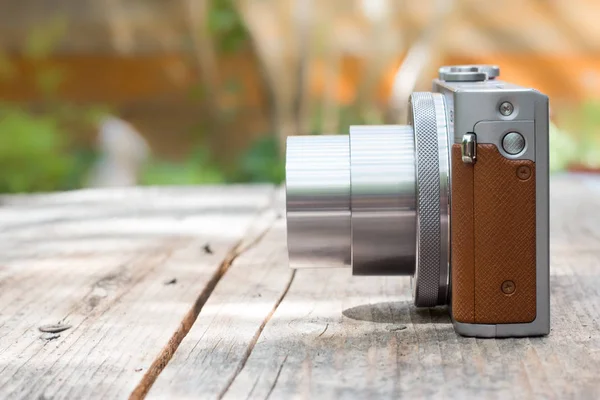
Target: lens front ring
428,118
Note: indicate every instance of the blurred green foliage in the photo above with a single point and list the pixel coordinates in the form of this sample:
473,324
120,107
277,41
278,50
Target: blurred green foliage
36,148
33,152
42,39
577,143
195,170
37,152
588,137
262,162
563,149
226,26
41,42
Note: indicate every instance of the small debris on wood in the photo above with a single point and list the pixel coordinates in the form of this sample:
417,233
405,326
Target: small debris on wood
395,328
207,249
139,369
54,328
324,330
94,301
49,336
171,282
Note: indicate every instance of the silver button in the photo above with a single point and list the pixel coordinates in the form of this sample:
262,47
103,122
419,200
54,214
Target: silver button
513,143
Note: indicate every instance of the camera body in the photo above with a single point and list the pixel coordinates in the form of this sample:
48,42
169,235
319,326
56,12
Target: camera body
458,199
499,205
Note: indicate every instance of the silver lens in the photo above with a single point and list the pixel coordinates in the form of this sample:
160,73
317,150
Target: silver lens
376,200
318,201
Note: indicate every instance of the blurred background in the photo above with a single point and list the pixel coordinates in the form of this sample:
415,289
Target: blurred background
153,92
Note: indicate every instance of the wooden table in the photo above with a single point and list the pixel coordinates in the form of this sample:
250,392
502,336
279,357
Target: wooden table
185,293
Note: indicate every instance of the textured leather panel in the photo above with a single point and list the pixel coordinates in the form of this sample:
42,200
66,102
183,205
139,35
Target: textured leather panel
504,234
462,252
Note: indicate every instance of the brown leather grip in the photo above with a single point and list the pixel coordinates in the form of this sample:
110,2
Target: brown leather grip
463,252
493,238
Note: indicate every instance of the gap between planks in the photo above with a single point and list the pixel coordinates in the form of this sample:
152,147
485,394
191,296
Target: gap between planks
260,330
262,225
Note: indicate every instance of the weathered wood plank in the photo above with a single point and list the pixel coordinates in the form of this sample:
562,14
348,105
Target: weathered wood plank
217,346
337,336
128,270
367,354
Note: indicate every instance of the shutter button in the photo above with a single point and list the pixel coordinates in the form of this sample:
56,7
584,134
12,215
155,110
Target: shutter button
513,143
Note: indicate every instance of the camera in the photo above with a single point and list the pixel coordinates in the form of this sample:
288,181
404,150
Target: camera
457,199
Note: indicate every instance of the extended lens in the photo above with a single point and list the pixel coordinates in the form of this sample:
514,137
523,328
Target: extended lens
376,200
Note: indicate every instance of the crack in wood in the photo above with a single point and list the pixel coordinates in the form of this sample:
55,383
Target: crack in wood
253,387
276,378
254,340
161,361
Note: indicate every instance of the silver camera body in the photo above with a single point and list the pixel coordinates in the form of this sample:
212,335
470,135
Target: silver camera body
457,199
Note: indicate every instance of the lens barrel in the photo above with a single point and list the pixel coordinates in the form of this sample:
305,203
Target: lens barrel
375,200
318,201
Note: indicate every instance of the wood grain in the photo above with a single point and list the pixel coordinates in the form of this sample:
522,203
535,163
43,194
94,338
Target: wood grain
128,270
337,336
104,263
217,347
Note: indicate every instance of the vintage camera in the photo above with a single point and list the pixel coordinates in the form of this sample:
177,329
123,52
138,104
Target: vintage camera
457,199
